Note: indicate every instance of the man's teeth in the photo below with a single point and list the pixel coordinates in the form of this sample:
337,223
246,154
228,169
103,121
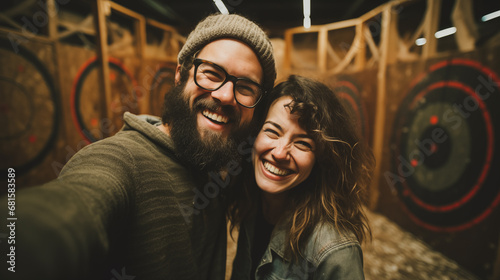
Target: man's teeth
275,170
215,117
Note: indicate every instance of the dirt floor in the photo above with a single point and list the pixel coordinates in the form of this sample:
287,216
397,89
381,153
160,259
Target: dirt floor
396,254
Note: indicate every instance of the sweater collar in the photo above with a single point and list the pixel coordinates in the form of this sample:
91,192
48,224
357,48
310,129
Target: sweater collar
148,125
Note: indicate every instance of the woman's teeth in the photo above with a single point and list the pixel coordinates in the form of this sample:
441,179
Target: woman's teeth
275,170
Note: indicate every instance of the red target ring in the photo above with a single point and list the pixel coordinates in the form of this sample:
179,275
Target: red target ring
30,109
163,81
348,93
126,99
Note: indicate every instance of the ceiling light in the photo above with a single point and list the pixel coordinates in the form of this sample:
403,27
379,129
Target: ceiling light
307,13
445,32
420,41
491,16
222,8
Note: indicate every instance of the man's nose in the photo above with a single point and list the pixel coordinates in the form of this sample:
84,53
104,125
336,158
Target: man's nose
225,94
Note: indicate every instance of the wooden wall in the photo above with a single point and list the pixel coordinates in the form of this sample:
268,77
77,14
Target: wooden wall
52,97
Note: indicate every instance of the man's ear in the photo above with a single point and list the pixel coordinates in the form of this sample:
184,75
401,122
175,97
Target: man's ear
178,74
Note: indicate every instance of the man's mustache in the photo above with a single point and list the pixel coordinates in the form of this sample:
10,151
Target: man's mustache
201,103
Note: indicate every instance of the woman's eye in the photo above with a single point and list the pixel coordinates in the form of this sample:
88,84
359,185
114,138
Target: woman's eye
271,133
303,145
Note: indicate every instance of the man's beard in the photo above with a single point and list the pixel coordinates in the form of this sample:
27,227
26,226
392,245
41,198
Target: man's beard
214,151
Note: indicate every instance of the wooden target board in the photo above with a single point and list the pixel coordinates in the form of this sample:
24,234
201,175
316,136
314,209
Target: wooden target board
444,158
86,105
348,91
162,82
29,109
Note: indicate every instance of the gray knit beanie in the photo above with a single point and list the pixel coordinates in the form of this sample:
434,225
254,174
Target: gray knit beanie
233,26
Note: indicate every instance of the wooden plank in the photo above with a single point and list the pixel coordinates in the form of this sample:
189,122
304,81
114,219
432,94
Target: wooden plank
342,24
160,25
380,112
140,36
102,54
302,29
322,49
53,19
349,56
332,54
371,44
360,61
287,59
24,35
125,11
431,24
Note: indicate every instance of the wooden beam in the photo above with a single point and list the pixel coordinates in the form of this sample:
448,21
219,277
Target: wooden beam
52,15
287,58
360,60
160,25
24,35
140,36
102,54
431,24
380,111
322,49
125,11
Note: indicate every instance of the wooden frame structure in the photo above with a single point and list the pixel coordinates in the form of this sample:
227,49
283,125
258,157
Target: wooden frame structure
100,10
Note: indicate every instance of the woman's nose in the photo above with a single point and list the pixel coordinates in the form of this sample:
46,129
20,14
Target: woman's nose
281,151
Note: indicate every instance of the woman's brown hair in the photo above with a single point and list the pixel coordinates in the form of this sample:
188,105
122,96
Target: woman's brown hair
334,191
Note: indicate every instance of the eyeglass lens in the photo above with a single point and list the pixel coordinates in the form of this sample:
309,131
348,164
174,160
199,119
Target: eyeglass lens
212,77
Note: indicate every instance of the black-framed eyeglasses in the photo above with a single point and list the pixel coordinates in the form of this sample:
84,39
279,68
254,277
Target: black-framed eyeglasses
210,76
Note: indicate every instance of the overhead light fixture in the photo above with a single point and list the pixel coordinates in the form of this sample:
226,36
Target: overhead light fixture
491,16
420,41
439,34
445,32
222,8
307,13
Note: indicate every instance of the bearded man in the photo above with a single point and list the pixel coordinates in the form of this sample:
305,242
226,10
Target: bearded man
141,204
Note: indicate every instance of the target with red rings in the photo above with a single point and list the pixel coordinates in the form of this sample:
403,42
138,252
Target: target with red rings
29,107
163,81
348,93
443,146
85,100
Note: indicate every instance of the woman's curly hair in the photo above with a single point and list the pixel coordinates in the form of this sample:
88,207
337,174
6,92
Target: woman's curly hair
334,191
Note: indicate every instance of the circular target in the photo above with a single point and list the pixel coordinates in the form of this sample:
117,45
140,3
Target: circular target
443,146
86,104
348,92
162,82
29,109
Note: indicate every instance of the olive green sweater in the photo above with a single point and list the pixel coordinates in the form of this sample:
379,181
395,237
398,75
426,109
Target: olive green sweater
118,210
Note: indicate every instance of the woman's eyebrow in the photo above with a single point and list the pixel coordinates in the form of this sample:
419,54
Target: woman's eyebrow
274,124
281,129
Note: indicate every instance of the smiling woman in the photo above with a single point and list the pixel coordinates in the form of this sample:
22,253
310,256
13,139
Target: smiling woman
300,210
283,154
